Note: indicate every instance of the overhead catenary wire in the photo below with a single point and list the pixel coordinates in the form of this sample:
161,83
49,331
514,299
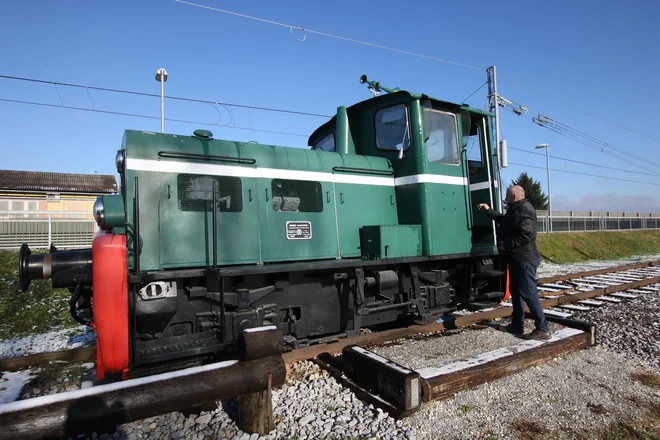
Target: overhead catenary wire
415,54
325,34
578,109
154,95
541,119
196,122
582,162
137,115
583,174
600,149
472,94
591,142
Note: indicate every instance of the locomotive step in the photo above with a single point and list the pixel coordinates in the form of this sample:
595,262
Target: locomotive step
176,347
488,274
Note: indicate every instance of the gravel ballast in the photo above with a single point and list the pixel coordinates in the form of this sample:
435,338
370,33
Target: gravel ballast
577,396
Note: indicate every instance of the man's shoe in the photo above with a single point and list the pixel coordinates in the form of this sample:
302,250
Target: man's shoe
537,334
511,329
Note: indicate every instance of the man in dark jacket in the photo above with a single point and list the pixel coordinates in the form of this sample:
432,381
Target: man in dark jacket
517,245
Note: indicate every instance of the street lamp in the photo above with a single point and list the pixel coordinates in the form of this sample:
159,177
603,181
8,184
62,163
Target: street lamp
161,76
547,159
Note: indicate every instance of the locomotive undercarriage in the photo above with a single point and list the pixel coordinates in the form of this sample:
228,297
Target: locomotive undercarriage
182,318
179,317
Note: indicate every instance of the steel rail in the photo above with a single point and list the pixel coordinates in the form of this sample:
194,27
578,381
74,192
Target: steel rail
570,276
82,354
89,353
82,410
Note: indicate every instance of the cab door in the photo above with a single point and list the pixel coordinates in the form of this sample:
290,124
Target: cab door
483,186
446,190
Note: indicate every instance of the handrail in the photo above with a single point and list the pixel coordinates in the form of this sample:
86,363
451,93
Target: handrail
470,219
178,154
362,170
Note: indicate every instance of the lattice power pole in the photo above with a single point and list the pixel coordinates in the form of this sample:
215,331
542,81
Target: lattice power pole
493,106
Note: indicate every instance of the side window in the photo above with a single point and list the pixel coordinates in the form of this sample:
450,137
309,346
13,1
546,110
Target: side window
296,196
4,205
327,143
475,149
442,142
195,193
392,130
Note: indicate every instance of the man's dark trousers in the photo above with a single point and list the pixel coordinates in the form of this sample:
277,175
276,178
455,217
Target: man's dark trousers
522,286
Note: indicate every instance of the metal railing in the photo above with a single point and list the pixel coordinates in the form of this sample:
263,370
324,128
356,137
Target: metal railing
67,230
70,230
591,224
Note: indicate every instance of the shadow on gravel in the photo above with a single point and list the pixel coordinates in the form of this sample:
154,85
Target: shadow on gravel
82,417
231,408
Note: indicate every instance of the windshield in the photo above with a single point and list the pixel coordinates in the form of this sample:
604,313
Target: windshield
442,142
392,131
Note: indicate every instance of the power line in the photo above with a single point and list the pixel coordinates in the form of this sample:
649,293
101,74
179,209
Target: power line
562,129
324,34
583,174
587,140
541,119
597,147
579,110
583,163
137,115
153,95
379,46
471,94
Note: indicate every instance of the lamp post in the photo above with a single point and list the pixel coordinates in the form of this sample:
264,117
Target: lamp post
547,161
161,76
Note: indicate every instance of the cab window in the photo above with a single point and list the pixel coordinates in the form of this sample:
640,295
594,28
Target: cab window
475,149
296,196
327,143
442,136
392,128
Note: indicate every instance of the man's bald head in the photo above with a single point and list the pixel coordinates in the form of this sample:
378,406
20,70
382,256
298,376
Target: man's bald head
515,193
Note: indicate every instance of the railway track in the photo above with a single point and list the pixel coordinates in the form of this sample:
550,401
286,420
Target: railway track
565,291
569,292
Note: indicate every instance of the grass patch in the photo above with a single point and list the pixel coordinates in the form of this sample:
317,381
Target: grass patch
582,246
53,377
529,429
465,408
628,431
38,310
651,380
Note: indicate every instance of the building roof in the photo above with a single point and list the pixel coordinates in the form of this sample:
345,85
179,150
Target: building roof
57,182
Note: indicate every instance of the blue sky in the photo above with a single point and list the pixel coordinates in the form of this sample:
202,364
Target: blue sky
599,57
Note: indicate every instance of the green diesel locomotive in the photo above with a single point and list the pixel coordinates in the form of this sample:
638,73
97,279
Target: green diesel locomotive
373,225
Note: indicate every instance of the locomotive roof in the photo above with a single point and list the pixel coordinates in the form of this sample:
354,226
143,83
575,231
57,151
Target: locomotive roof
371,102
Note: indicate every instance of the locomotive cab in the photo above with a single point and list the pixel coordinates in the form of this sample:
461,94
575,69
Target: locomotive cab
442,159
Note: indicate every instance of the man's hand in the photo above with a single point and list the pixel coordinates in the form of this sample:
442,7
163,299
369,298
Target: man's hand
483,206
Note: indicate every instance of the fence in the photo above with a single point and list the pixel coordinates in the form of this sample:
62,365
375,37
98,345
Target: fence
67,230
587,224
70,230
